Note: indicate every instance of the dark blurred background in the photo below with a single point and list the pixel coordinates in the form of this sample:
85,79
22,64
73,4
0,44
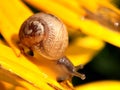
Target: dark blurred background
116,2
104,66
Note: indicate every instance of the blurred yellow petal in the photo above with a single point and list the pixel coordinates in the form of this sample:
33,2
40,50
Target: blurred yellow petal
12,82
101,85
8,31
107,26
82,50
73,5
15,11
25,69
56,9
93,5
12,15
101,32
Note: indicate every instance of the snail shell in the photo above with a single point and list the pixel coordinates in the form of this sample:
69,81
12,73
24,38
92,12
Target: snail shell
45,34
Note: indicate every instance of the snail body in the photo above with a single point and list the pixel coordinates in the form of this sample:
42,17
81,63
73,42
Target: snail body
47,35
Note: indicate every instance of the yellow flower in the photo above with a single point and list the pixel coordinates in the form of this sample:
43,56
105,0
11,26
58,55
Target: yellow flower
19,72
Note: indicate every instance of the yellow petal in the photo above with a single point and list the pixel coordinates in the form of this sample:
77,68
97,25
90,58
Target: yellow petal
25,69
101,85
67,15
93,5
72,4
12,82
12,15
15,11
8,31
83,49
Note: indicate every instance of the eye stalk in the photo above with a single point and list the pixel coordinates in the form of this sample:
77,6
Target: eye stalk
71,69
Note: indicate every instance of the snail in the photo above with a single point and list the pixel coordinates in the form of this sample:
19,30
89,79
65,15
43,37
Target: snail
47,35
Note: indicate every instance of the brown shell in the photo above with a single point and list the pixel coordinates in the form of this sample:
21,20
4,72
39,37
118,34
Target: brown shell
45,34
